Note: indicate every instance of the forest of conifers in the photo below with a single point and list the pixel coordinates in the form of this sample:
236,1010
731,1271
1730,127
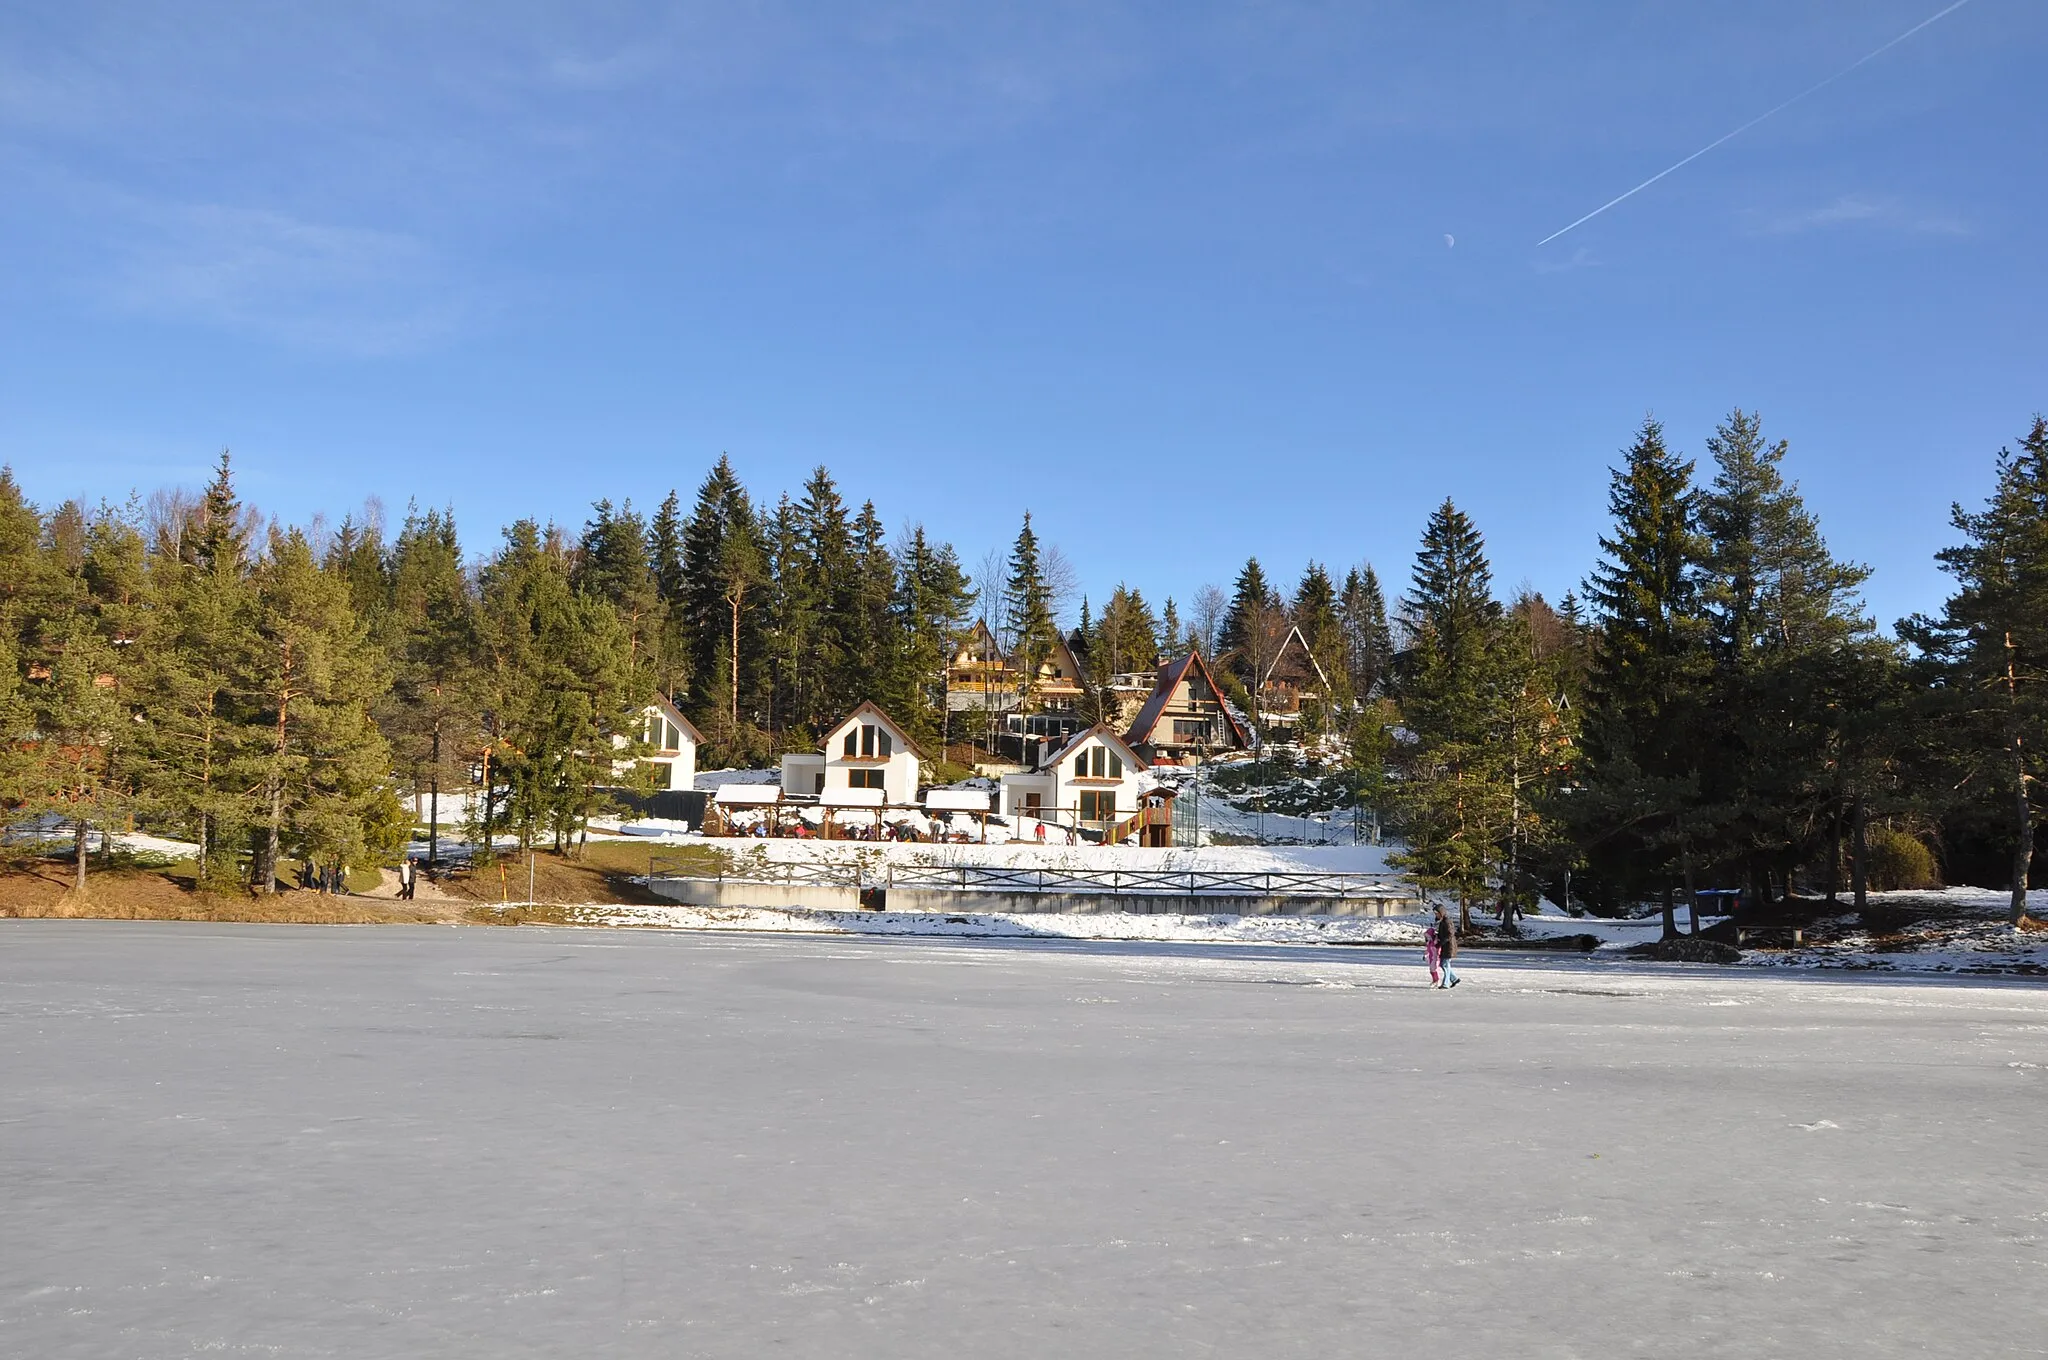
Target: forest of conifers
1710,708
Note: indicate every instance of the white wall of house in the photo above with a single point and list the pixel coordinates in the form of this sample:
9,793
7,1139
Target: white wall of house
675,755
898,770
1017,788
1096,766
803,774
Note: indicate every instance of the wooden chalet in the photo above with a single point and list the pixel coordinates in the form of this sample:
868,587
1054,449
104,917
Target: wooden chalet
1185,717
1294,677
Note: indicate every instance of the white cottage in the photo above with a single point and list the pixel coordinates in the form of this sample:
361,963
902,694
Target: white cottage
1091,782
866,761
675,741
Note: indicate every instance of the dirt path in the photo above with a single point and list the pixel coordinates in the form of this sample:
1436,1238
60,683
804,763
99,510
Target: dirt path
429,903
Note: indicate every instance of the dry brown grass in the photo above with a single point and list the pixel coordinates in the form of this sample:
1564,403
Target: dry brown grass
43,890
602,873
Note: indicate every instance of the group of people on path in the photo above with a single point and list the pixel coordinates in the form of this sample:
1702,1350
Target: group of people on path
328,879
408,878
1440,946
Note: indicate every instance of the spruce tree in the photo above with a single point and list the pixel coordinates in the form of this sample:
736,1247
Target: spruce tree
1316,614
1988,649
933,602
1251,602
1027,606
1368,640
825,672
1457,697
670,648
1781,612
431,714
1638,808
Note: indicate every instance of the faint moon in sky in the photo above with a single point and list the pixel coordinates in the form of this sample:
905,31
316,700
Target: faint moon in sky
1450,240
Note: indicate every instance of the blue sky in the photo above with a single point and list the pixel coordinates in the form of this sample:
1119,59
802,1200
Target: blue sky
1176,277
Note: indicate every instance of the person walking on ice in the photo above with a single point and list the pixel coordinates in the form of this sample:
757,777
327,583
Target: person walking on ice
1446,948
1432,955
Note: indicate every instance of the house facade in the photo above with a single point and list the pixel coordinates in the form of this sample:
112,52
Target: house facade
1090,783
1294,678
1185,717
675,740
866,759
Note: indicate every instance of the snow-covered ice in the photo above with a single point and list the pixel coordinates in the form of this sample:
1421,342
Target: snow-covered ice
297,1142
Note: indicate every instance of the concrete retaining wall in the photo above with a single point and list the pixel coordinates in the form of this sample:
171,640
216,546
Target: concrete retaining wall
713,892
705,892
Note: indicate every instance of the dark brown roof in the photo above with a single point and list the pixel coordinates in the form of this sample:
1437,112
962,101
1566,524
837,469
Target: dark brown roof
1290,645
1170,676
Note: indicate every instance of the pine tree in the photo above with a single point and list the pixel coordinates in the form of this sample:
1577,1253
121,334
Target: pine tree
1027,604
431,714
877,670
723,564
1251,602
194,656
669,651
1368,641
1316,614
1988,650
319,773
824,669
1456,696
1172,637
1639,804
933,603
611,564
219,537
1781,611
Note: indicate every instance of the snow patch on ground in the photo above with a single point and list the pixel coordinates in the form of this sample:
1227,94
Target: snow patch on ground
1292,930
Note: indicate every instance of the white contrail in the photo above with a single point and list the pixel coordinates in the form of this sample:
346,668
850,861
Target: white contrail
1872,56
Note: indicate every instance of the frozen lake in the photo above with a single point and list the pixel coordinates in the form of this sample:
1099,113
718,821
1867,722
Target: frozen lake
292,1141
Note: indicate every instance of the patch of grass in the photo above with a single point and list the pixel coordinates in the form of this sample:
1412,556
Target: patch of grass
44,892
543,914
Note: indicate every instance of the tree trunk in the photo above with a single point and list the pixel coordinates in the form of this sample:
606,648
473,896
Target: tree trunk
80,830
434,802
1670,915
2023,844
1859,851
1692,894
1834,850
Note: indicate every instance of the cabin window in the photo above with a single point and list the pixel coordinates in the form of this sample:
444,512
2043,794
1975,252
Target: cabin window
1098,762
662,734
1098,805
869,743
864,779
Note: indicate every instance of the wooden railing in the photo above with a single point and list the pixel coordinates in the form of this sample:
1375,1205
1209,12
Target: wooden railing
1137,882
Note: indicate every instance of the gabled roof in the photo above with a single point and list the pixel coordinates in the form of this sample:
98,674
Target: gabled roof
869,708
1170,677
1109,736
981,644
668,710
1294,640
1073,665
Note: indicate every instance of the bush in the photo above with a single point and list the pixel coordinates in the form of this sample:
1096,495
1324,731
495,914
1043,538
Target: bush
1894,859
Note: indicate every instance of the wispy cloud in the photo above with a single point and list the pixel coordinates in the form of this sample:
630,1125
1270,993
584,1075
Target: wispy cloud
1581,258
265,272
1852,210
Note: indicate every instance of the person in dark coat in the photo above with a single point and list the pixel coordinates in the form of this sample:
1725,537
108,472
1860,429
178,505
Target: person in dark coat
1447,947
